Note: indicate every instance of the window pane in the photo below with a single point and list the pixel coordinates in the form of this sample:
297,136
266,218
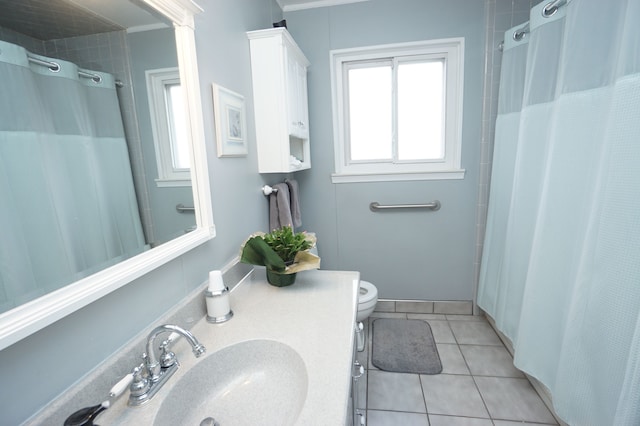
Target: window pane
370,114
177,127
420,110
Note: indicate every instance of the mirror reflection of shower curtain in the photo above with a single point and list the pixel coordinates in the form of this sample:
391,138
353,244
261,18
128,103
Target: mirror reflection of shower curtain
67,201
561,265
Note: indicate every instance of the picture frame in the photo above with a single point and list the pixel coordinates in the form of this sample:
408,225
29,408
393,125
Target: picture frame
230,122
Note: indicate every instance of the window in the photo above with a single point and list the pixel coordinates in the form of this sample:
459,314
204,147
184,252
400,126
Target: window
166,104
398,111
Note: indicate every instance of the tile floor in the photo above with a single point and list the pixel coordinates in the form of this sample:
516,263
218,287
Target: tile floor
478,386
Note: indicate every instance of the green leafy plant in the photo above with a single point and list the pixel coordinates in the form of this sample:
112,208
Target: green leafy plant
287,243
283,252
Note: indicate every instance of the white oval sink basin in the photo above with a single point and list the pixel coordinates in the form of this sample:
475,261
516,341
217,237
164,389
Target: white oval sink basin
257,382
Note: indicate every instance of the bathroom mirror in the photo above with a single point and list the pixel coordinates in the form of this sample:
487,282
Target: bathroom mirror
171,20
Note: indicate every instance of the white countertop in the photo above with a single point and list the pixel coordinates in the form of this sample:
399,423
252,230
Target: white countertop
315,316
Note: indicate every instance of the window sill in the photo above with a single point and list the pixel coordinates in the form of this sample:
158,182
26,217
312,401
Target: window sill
391,177
172,183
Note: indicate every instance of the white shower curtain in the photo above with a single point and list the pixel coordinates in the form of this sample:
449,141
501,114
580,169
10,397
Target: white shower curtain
67,201
561,264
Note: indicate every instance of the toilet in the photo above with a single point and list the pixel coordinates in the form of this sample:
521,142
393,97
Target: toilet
367,299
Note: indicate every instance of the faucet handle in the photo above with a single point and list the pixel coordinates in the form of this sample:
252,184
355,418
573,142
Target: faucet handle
167,358
140,384
169,340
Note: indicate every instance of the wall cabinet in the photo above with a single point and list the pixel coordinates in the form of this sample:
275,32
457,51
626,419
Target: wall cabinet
279,75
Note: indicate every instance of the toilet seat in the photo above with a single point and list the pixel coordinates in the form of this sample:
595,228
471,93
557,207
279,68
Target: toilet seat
367,292
367,299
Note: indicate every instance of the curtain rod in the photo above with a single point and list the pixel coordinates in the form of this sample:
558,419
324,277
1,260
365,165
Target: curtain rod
55,67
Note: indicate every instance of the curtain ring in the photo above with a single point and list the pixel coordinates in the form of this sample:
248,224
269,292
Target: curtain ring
96,79
549,10
519,35
54,67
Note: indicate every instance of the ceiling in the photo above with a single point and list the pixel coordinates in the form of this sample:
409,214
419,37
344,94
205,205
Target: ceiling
57,19
291,5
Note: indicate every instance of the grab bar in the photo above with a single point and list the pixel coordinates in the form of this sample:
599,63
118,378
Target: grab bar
183,209
434,205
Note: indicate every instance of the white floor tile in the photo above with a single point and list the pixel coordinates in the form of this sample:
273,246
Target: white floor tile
513,399
474,333
436,420
479,318
452,395
441,331
489,361
391,418
451,358
394,391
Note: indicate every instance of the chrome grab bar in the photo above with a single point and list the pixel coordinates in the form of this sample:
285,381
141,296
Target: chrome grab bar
183,209
434,205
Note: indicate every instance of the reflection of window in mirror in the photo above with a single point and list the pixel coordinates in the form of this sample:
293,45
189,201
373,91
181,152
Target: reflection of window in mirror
166,104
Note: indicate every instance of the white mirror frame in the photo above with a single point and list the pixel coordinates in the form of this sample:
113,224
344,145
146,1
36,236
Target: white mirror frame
30,317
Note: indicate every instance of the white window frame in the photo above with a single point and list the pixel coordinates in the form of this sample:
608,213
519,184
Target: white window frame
156,92
452,51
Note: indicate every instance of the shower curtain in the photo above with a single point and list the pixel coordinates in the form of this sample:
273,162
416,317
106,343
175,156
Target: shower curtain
67,201
560,273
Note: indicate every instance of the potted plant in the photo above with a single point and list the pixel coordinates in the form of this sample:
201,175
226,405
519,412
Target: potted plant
283,252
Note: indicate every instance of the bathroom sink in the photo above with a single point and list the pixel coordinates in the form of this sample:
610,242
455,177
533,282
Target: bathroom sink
249,383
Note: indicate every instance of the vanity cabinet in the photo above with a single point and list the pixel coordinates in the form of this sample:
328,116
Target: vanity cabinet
279,76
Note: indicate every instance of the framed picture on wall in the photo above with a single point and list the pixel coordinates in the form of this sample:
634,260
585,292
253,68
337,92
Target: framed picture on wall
230,122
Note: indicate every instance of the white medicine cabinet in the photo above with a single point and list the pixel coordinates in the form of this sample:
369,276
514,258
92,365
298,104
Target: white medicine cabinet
279,74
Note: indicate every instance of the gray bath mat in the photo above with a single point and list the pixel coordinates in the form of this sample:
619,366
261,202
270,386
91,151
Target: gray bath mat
404,346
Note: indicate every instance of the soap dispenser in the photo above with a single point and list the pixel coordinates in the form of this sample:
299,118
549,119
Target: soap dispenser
217,296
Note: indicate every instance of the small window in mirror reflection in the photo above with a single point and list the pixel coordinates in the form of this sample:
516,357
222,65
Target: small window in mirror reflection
178,128
166,103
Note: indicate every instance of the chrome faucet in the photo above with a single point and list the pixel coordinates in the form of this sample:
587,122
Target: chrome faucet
152,374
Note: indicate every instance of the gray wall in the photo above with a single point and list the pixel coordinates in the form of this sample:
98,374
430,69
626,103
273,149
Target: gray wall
407,255
150,50
40,367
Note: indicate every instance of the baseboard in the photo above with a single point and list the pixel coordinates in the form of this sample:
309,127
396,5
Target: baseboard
451,307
